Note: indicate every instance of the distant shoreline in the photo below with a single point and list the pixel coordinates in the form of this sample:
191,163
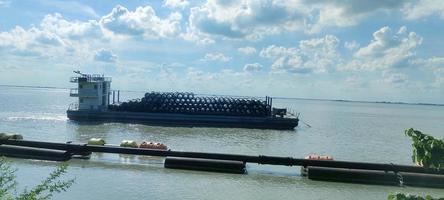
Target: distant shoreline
28,86
356,101
275,97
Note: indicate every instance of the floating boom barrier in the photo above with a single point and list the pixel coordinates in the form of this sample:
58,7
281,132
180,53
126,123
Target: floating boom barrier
326,170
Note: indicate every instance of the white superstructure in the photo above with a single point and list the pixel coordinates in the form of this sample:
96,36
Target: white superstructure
93,91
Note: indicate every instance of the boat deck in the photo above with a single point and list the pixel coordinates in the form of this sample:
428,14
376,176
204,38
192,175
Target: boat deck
172,119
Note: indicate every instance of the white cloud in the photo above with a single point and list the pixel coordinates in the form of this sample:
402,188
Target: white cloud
434,62
424,8
315,55
254,19
250,19
57,37
222,82
71,7
354,7
73,29
5,3
33,42
141,22
176,3
53,37
105,55
439,77
247,50
355,81
251,67
351,45
387,49
194,74
216,57
436,66
349,12
394,78
63,42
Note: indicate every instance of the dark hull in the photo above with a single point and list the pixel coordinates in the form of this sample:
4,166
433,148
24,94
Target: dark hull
169,119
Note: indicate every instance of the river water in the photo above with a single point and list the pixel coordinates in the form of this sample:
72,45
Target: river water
352,131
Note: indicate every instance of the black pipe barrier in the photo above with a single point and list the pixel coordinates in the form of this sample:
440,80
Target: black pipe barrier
352,176
375,177
422,180
212,165
261,159
34,153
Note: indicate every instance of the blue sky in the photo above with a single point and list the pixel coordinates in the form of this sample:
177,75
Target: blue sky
339,49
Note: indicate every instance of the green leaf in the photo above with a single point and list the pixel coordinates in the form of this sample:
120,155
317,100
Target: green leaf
426,149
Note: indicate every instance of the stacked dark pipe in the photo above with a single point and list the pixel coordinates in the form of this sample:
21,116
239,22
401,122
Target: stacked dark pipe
188,103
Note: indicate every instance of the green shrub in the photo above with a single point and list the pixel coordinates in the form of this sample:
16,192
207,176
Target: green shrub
427,151
400,196
42,191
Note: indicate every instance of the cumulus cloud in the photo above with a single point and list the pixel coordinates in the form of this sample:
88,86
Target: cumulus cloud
351,45
387,49
194,74
364,6
247,50
216,57
439,77
55,23
248,19
56,36
55,30
349,12
53,37
251,67
141,22
34,41
435,65
424,8
394,78
254,19
105,55
176,3
315,55
434,62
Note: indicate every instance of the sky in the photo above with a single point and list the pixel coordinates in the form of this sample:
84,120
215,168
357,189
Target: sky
361,50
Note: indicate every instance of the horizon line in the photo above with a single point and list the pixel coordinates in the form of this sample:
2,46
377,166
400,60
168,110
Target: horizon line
276,97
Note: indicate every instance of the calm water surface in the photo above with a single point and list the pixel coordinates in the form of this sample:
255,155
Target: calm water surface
345,130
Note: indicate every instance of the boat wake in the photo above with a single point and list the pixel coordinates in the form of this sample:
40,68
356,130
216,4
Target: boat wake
38,117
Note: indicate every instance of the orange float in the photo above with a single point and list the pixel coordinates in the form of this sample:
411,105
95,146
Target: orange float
153,145
318,157
304,171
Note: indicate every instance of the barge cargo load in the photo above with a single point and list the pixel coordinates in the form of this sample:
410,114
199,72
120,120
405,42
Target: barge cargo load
174,108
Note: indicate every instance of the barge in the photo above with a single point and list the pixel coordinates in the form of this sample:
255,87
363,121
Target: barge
173,108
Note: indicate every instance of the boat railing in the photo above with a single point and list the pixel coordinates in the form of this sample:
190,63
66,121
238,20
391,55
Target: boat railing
74,79
73,92
73,106
292,112
90,78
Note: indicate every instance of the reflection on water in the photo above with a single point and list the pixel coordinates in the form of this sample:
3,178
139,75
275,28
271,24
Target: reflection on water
37,117
184,138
